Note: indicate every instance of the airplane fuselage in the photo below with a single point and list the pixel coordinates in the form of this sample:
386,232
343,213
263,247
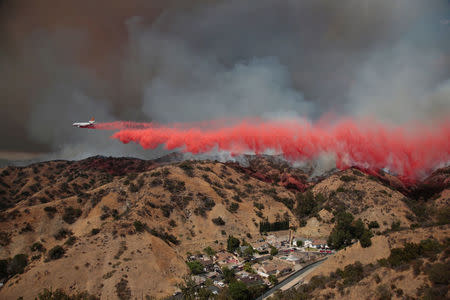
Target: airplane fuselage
90,124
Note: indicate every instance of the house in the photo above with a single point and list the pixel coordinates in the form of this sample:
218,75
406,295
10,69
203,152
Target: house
207,263
218,283
307,244
213,275
226,259
252,279
198,279
261,257
213,289
293,259
276,267
243,248
262,247
319,244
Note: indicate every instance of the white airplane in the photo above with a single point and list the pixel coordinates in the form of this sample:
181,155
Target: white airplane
90,124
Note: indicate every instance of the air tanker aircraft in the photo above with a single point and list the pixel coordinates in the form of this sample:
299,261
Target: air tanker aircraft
90,124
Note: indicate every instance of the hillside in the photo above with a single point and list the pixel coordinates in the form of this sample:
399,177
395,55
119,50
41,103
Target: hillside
123,226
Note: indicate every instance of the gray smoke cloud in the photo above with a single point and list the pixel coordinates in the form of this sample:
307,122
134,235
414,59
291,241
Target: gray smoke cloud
175,61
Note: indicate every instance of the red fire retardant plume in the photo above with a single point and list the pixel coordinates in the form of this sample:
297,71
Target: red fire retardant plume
411,151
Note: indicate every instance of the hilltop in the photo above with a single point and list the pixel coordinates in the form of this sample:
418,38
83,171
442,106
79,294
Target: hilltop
122,225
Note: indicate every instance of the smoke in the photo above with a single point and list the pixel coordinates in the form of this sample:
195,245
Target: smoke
171,61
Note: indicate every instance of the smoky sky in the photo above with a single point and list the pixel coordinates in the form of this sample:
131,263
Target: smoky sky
172,61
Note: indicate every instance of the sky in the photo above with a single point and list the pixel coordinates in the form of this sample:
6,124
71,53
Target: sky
184,61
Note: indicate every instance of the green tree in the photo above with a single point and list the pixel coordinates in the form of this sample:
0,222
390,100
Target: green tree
273,279
188,287
232,243
248,267
59,294
17,264
139,226
357,228
299,243
439,273
239,291
248,252
306,204
209,251
365,238
56,252
3,268
346,230
195,267
273,250
374,224
228,275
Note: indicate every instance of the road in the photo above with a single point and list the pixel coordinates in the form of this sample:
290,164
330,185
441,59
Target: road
291,280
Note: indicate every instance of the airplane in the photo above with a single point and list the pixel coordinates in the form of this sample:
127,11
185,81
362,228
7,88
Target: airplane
90,124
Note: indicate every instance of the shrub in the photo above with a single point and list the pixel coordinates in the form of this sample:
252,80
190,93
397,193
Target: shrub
365,239
62,233
341,189
166,210
306,204
395,226
50,210
353,273
122,290
439,273
210,251
237,198
218,221
174,186
37,247
232,243
383,292
258,205
346,230
26,228
273,280
238,290
186,166
374,224
70,241
71,214
273,250
17,264
275,226
195,267
411,251
133,188
139,226
443,216
36,257
95,231
156,182
165,236
233,207
347,178
56,253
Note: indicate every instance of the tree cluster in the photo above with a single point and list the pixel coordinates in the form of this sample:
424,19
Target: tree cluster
267,226
346,230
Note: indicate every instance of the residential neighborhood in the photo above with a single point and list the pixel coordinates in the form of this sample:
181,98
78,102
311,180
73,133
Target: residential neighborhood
266,261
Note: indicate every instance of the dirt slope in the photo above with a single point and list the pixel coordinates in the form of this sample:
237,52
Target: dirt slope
129,221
